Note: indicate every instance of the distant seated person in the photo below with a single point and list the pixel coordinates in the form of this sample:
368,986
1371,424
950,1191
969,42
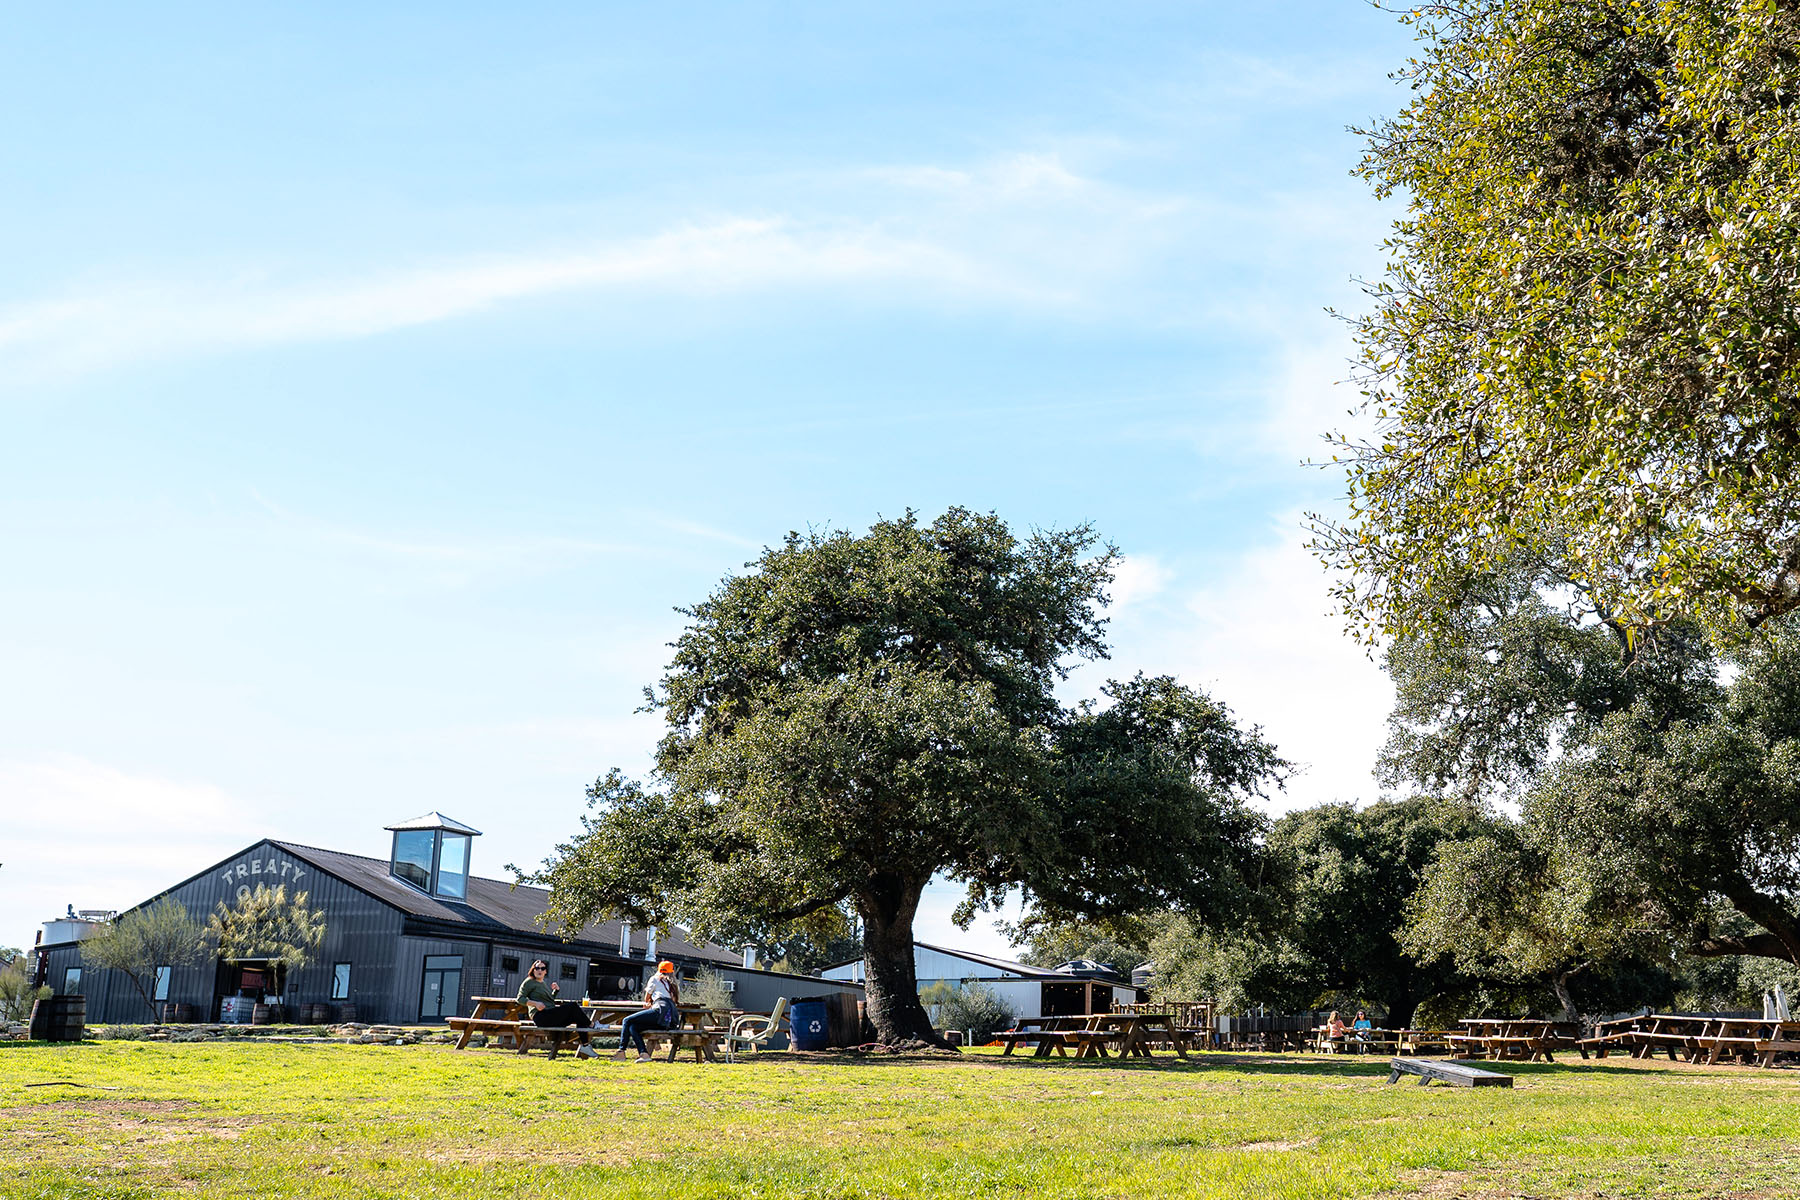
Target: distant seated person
1335,1029
547,1012
663,996
1359,1028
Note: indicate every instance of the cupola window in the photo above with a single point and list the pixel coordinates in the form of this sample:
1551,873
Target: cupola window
432,854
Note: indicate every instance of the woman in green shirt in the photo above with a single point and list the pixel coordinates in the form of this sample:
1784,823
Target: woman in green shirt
547,1012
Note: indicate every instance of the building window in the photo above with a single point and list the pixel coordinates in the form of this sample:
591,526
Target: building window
161,991
412,856
453,865
340,981
442,989
568,970
71,981
509,963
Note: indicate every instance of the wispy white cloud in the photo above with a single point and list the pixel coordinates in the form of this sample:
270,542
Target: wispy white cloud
1137,578
705,532
105,325
137,834
1027,230
1263,639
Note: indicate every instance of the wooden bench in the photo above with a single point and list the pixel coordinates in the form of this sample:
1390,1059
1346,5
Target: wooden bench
522,1034
1677,1044
700,1041
1091,1043
1454,1074
1045,1041
1423,1041
1766,1051
1605,1043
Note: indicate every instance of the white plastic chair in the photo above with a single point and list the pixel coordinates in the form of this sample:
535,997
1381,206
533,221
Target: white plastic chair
752,1031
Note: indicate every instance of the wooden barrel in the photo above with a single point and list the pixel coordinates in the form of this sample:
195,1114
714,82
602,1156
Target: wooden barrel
65,1019
40,1020
259,1015
346,1012
318,1014
184,1014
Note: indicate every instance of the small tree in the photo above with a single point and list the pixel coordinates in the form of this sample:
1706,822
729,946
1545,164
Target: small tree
144,939
16,993
267,926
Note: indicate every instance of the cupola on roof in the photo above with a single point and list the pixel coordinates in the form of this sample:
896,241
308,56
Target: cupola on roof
435,820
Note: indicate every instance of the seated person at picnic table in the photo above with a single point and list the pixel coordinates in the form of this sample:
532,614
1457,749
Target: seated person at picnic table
1334,1031
547,1012
1362,1022
662,994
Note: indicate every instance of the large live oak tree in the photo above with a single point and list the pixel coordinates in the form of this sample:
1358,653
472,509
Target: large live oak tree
856,714
1585,345
1657,785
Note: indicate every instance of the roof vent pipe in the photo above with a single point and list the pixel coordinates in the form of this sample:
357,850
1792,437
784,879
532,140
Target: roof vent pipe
624,939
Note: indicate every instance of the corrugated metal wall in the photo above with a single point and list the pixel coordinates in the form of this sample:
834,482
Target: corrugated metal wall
757,991
359,930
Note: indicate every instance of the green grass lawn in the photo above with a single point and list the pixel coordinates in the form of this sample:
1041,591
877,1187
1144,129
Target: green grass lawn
368,1121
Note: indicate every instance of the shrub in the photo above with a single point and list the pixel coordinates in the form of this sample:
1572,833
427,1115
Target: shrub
120,1033
972,1006
708,988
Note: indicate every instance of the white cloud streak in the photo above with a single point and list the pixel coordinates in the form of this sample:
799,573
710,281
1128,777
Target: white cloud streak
1022,231
95,836
1262,639
130,321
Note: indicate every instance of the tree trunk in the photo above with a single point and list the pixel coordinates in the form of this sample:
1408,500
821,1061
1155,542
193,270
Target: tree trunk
1767,912
891,985
1400,1012
1560,985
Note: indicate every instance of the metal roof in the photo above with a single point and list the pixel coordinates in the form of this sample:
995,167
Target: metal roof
1026,970
435,820
493,906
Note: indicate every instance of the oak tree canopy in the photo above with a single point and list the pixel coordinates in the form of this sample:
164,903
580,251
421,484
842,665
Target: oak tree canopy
1586,344
854,715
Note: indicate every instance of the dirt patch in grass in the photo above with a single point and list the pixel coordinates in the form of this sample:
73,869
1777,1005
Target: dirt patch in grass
487,1156
1302,1144
82,1105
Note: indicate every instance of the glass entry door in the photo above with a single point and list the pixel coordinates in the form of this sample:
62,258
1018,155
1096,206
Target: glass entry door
443,987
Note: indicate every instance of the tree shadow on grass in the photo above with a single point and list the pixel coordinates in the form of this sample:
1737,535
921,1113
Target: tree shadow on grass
1323,1066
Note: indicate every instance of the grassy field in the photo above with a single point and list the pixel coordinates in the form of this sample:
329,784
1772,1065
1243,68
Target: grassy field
368,1121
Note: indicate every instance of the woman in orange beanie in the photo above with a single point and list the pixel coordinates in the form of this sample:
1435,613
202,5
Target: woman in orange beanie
662,994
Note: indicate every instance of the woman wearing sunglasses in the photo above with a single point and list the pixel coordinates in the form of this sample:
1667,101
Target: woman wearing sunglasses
547,1012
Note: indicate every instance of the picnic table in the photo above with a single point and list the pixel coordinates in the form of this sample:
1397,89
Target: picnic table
1425,1041
1357,1041
1137,1030
510,1022
1752,1039
1513,1037
1090,1034
1616,1034
1689,1037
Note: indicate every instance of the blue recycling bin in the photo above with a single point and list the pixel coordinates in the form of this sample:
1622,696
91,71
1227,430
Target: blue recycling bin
809,1025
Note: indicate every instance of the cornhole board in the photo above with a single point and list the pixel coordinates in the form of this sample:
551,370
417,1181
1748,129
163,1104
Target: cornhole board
1453,1073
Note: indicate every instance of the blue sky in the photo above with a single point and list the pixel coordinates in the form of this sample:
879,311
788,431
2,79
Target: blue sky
377,381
